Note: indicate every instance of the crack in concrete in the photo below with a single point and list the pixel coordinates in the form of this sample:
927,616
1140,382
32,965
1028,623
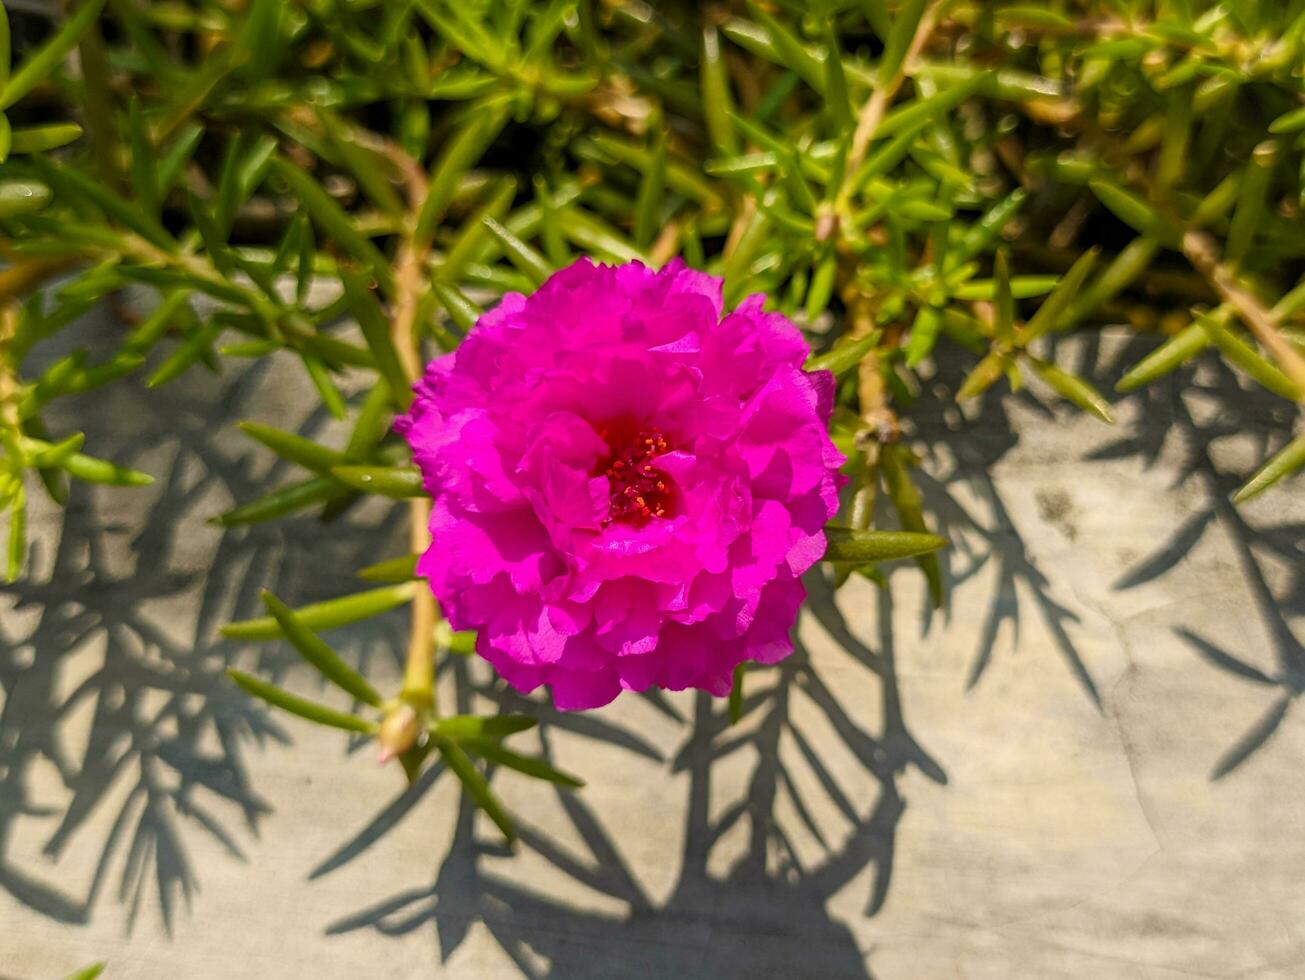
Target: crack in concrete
1097,608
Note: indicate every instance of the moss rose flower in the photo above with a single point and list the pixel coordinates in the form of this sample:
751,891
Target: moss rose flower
627,485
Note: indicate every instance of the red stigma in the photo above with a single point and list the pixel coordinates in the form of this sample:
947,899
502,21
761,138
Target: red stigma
640,491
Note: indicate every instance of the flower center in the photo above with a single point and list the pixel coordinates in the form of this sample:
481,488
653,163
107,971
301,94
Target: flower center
640,491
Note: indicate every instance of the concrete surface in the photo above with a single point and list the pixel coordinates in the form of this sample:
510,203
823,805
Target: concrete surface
1088,765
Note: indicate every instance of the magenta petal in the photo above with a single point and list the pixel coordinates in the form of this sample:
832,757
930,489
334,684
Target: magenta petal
575,690
627,482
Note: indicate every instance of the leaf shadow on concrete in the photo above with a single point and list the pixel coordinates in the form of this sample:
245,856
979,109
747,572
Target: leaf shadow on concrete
169,739
114,700
963,496
1186,415
113,693
762,910
766,908
1176,424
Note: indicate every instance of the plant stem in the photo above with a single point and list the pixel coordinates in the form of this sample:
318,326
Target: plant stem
419,668
27,274
872,113
8,372
1202,251
98,103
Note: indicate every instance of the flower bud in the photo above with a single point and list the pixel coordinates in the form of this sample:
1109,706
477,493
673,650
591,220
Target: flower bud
826,226
398,732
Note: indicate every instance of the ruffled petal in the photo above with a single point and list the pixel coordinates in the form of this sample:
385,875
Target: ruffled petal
513,437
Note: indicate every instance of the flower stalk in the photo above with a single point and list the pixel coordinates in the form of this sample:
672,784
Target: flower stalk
418,691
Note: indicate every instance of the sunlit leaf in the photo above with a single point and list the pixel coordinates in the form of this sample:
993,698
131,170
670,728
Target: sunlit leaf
847,545
294,448
491,751
399,482
314,650
1172,354
49,55
310,710
459,727
402,569
326,615
1073,388
281,502
376,329
475,785
1283,463
521,255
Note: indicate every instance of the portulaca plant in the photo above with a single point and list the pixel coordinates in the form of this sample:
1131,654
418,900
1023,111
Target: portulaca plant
646,294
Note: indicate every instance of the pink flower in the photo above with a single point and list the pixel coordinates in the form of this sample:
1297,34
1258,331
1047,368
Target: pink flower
627,485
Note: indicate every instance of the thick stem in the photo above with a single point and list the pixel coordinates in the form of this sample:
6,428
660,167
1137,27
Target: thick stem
403,323
419,668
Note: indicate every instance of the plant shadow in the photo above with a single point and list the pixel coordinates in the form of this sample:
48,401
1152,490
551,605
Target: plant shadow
1176,423
1185,416
761,911
113,691
962,494
154,731
765,907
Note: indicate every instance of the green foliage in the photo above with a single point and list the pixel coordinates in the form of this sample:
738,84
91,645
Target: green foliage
899,176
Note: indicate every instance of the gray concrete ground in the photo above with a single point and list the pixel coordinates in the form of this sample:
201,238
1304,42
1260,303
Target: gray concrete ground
1088,765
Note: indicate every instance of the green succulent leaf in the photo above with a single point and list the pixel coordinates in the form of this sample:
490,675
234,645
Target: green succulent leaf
1282,464
861,547
309,710
39,65
326,615
492,751
317,653
475,785
399,482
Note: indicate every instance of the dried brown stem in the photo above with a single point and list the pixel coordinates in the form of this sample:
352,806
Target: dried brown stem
1203,252
29,274
872,113
8,383
666,245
